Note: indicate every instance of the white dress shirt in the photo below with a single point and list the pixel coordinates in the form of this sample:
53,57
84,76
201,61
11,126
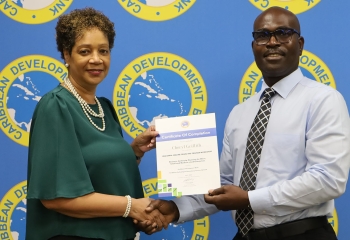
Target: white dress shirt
305,158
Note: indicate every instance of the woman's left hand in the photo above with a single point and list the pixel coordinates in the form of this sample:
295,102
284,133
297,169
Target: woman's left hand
145,141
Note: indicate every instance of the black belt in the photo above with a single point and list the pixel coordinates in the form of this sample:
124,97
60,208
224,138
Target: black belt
287,229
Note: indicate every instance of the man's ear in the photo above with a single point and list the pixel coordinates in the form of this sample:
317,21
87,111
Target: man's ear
301,45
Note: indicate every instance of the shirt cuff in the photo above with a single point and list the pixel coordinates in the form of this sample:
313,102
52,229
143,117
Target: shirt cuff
185,209
260,201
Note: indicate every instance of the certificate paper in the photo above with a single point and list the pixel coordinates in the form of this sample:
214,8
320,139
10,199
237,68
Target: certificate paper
187,155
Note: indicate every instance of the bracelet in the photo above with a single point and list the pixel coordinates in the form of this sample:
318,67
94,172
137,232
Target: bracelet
128,207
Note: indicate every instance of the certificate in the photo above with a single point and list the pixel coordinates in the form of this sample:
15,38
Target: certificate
187,155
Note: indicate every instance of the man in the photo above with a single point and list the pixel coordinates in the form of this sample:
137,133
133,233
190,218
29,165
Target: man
303,160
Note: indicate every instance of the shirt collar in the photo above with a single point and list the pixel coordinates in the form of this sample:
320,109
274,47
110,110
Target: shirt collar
284,86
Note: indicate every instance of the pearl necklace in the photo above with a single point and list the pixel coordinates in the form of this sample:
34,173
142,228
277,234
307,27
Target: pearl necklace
86,108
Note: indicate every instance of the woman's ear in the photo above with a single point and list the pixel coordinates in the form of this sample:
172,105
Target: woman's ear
66,56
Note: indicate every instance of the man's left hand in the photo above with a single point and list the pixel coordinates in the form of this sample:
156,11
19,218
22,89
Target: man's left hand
228,197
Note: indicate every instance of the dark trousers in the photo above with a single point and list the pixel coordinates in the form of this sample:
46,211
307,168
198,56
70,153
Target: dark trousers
322,233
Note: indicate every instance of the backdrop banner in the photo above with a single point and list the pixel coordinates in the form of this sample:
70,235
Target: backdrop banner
170,58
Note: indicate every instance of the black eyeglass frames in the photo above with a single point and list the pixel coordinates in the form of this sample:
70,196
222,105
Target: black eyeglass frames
282,35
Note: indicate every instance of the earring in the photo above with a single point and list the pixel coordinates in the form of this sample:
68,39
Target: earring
66,64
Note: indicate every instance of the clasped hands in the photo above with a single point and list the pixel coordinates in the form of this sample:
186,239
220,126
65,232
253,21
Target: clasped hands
228,197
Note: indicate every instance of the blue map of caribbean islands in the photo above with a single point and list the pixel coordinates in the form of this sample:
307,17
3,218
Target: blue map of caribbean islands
159,93
24,93
18,221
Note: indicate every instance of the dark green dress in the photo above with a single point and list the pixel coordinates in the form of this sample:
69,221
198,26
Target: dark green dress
69,157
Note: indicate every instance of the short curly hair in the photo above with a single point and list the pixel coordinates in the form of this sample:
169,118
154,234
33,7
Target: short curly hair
73,25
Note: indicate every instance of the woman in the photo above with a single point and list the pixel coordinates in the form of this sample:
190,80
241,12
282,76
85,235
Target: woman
83,178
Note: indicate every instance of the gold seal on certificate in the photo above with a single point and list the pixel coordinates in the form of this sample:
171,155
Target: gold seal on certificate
187,155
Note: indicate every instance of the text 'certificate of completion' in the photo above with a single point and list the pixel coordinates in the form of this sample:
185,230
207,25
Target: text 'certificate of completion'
187,155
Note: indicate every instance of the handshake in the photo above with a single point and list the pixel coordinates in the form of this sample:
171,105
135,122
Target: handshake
152,216
157,215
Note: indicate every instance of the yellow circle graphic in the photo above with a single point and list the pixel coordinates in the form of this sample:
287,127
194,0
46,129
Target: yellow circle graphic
334,221
8,204
157,10
201,226
307,60
15,70
149,62
295,6
34,12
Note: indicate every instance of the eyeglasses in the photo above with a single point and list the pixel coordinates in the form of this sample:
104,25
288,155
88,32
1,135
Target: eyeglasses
282,35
